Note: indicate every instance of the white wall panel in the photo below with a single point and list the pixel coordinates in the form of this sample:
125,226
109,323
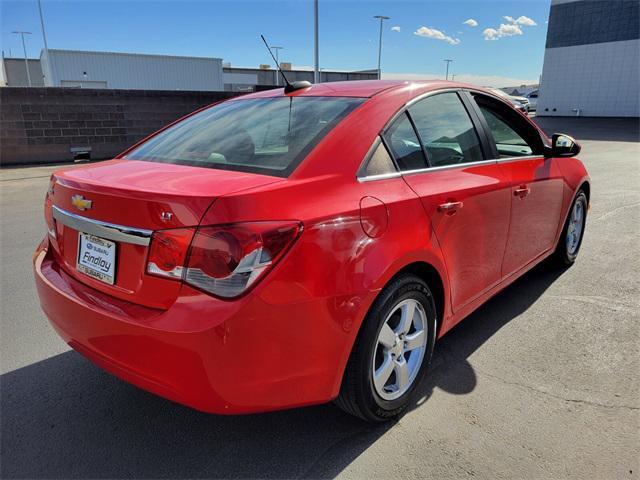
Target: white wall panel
599,79
135,71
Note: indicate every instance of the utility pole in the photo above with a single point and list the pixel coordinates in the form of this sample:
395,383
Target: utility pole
448,60
46,45
277,63
453,77
316,55
24,48
382,19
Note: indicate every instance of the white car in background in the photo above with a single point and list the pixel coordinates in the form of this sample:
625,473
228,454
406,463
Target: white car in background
532,96
521,103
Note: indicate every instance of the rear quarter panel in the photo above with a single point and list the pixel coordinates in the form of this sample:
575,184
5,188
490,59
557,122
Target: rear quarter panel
334,260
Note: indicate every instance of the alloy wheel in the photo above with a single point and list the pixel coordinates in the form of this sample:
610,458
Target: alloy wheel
575,227
400,349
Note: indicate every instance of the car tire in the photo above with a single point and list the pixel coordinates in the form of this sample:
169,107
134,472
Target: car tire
379,400
570,240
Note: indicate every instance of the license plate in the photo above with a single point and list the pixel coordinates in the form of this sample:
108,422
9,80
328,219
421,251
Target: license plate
97,257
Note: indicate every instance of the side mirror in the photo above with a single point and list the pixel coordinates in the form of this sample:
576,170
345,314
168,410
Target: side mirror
563,146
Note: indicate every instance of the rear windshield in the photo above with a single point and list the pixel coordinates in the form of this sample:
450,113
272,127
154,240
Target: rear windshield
266,135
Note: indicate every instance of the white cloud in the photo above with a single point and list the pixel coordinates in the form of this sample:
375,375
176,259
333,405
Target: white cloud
526,21
395,28
509,29
471,22
436,35
481,80
504,30
490,34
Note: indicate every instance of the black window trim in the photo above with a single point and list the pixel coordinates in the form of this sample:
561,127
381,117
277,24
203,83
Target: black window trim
481,133
469,93
387,128
362,175
477,119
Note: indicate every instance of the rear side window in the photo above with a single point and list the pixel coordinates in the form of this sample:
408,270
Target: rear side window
404,145
446,130
378,163
267,135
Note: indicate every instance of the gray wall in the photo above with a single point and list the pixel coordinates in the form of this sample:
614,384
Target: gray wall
41,125
268,77
16,72
591,63
132,71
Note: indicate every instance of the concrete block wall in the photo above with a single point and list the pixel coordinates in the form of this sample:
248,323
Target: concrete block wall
41,125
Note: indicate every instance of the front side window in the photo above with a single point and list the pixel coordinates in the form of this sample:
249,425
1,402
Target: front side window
508,142
446,130
266,135
512,134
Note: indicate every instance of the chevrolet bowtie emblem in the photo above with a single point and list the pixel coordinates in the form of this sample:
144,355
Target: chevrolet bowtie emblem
80,202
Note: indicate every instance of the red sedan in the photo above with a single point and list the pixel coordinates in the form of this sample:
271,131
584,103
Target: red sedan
290,248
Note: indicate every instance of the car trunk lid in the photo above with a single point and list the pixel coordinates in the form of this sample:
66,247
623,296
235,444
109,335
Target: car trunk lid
123,202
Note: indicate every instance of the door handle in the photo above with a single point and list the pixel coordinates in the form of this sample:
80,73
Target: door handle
450,208
522,191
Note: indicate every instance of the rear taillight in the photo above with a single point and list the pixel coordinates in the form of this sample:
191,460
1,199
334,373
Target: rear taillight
48,205
224,260
168,252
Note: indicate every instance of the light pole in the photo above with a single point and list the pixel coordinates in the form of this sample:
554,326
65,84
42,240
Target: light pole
46,45
316,54
24,49
277,63
382,19
448,60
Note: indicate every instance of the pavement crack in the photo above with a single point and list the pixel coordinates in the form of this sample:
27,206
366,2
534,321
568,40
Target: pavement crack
616,210
592,403
597,300
559,397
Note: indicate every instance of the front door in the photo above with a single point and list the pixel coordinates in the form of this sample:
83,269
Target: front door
536,184
466,196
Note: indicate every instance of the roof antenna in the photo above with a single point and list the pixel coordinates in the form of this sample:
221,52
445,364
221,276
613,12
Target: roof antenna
289,87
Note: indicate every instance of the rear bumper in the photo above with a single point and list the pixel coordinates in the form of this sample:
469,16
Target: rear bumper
246,356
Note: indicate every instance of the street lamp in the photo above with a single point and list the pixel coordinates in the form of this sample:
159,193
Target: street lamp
277,62
316,54
46,46
24,49
448,60
382,19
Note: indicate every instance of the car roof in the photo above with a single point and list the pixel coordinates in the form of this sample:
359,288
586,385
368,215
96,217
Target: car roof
358,88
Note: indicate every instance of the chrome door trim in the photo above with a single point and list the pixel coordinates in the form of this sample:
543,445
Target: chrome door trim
382,176
448,167
515,159
110,231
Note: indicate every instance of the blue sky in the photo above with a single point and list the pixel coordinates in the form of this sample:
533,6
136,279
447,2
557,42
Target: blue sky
509,52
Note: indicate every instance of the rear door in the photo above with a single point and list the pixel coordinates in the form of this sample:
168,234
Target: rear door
463,191
536,183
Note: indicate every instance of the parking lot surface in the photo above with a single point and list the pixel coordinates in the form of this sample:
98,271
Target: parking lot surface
541,382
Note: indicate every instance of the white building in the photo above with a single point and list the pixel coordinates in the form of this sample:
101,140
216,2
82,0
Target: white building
591,62
70,68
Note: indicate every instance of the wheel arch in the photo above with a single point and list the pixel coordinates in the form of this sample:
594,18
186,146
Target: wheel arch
431,276
433,279
586,187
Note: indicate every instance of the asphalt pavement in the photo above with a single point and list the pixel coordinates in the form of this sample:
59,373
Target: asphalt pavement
541,382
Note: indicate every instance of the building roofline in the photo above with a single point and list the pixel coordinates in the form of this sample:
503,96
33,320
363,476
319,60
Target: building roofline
155,55
298,69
